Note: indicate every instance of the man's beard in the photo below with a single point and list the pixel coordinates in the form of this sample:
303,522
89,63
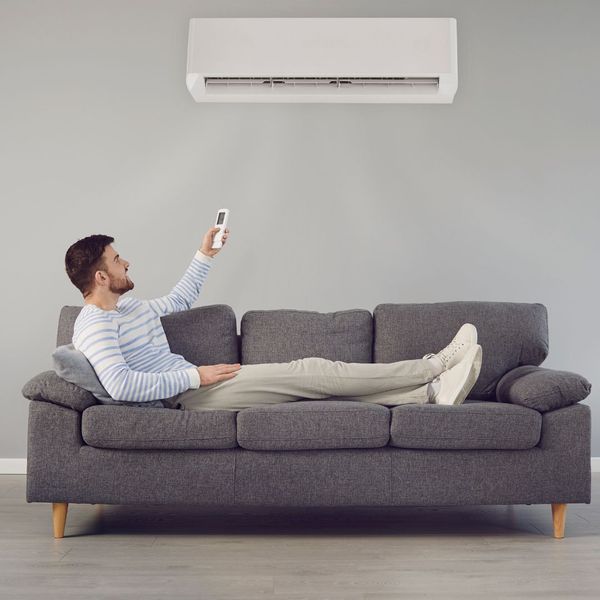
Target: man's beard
120,286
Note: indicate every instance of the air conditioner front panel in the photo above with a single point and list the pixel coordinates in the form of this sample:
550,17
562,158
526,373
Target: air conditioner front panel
313,48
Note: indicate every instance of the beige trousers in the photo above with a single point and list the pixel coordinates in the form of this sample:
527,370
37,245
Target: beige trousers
390,384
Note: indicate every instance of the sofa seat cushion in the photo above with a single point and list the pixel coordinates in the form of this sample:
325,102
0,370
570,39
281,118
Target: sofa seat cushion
125,427
313,425
473,425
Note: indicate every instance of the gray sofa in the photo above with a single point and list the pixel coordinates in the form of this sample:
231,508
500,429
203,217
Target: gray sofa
521,437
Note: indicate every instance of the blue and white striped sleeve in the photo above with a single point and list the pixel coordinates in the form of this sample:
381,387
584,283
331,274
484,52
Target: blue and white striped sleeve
99,342
187,289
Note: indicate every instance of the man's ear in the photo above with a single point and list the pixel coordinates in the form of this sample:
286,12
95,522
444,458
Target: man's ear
100,276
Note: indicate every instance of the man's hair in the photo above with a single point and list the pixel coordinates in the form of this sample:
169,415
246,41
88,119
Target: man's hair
84,258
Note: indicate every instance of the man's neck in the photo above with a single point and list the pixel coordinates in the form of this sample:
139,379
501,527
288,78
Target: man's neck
103,304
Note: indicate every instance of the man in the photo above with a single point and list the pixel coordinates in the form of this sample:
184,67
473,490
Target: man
125,343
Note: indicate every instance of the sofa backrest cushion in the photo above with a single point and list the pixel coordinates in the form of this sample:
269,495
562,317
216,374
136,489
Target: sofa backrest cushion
205,335
511,334
287,334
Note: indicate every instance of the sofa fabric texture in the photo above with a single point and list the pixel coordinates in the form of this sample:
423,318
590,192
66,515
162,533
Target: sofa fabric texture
284,335
317,425
314,424
510,334
120,428
542,389
49,387
474,425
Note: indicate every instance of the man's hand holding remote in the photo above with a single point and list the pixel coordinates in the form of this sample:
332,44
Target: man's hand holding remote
207,242
215,373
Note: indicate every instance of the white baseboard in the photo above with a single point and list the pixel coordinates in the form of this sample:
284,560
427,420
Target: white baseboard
13,466
18,466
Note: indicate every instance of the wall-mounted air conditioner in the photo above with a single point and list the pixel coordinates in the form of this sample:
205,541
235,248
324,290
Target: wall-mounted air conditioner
322,60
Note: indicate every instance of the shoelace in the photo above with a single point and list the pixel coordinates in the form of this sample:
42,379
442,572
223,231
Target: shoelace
450,350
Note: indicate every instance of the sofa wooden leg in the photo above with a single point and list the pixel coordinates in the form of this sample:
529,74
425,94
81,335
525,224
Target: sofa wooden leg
559,512
59,518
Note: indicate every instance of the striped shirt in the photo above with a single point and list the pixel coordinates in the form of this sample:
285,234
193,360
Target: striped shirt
128,349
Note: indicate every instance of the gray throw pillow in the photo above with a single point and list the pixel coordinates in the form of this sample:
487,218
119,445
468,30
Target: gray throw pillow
542,389
72,365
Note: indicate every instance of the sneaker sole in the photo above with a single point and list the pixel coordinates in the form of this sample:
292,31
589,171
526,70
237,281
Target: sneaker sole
470,379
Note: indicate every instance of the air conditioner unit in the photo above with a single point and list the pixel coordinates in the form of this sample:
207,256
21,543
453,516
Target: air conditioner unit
410,60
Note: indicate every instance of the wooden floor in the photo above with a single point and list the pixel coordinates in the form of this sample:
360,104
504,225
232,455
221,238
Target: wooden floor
142,553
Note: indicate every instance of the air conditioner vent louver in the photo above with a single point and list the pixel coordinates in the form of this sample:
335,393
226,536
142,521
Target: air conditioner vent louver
321,81
306,87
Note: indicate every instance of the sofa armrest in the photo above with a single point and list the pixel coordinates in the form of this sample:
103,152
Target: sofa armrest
542,389
49,387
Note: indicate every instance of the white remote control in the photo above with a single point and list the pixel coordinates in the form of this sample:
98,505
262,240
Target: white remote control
221,222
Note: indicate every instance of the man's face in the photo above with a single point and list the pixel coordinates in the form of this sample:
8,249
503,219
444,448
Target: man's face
117,267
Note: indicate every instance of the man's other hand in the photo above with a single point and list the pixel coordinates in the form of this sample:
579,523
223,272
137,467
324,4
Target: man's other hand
215,373
209,237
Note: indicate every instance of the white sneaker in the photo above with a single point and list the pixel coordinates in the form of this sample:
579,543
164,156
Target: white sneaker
455,351
457,382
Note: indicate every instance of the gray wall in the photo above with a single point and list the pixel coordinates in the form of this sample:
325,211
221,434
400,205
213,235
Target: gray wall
494,197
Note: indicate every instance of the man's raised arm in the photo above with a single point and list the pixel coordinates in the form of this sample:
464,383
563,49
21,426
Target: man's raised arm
187,289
